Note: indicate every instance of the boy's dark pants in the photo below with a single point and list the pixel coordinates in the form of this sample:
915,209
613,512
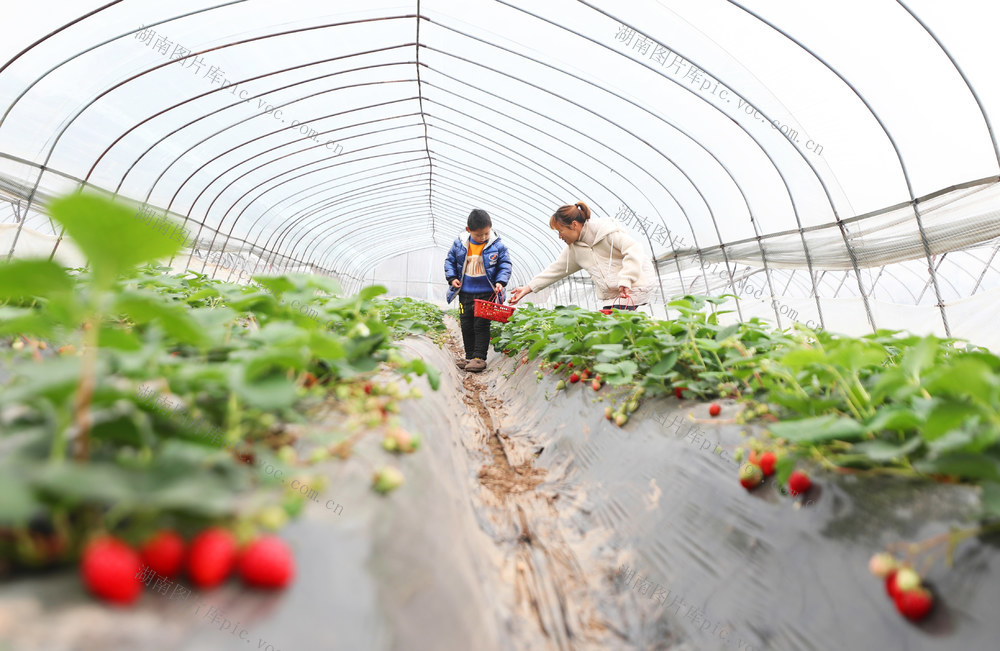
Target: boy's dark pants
475,330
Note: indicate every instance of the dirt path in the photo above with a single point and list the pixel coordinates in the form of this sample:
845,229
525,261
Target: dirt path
557,599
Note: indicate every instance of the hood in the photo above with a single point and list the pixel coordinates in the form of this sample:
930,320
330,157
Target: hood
466,236
596,229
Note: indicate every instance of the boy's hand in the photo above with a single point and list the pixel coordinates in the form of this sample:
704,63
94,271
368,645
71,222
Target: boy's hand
498,288
456,283
518,293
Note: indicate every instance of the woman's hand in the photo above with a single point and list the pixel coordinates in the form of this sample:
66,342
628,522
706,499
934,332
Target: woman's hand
456,283
518,293
622,291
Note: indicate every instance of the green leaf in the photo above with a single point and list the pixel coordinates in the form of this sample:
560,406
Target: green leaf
965,465
991,498
944,417
144,307
664,365
96,482
17,500
803,357
879,450
964,377
267,393
368,293
33,278
897,418
817,429
112,236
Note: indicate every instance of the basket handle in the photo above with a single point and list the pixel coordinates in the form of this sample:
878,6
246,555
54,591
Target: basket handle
496,295
628,301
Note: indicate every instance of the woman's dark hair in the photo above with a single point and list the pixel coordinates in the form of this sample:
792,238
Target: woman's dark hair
566,215
479,219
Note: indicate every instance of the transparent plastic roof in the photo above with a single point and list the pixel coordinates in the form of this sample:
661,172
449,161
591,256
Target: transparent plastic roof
834,151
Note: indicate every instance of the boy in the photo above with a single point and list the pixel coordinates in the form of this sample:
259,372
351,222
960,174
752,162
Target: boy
477,265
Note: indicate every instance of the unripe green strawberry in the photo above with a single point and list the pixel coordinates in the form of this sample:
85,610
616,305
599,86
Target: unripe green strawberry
907,579
287,454
387,479
560,385
609,412
632,406
750,476
881,564
621,419
272,517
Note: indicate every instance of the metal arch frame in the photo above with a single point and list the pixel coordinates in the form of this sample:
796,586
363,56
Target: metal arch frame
958,69
170,62
315,171
609,120
499,165
492,201
895,147
408,172
320,161
261,195
244,175
89,49
446,202
739,126
513,227
226,108
848,246
423,116
107,91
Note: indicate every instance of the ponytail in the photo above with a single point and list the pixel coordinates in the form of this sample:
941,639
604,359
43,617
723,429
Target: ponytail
566,215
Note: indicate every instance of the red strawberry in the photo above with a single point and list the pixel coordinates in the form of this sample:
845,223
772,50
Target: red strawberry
211,558
596,385
267,563
110,570
556,366
678,391
798,482
914,604
368,388
585,374
714,410
164,553
766,462
569,365
574,378
750,476
890,584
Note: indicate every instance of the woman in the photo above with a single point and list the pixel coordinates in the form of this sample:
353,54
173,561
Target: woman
616,262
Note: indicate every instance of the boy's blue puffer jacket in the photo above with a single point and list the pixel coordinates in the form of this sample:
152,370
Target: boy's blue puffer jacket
496,261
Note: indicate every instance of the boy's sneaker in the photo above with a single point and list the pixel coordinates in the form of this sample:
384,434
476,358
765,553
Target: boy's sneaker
475,365
461,363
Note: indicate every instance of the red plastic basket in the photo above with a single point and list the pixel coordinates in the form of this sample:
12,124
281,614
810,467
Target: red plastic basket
493,311
628,300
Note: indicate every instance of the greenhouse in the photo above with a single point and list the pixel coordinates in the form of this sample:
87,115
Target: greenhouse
499,325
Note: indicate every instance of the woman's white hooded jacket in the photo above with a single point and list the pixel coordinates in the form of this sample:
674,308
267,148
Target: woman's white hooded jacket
612,258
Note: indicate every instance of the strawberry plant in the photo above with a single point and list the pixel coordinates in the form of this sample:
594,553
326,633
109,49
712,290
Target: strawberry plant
137,400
